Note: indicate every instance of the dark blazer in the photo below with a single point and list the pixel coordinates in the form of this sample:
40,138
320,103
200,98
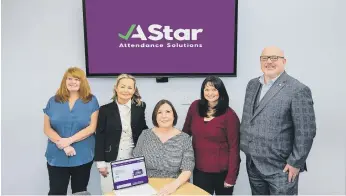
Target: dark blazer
109,128
281,129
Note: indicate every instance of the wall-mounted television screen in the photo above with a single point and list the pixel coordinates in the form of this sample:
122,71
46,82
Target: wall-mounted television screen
160,38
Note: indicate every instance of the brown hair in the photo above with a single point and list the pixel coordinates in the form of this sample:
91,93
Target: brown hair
156,109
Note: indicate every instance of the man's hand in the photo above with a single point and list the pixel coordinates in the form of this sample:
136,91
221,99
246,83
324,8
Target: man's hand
64,142
292,172
70,151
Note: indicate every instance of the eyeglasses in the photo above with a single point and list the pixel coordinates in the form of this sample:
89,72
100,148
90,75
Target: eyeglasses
272,58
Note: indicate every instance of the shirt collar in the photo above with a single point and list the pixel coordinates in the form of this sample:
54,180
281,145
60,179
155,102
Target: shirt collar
128,104
261,79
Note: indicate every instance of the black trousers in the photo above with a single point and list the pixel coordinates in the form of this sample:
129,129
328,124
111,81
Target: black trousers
276,184
59,178
211,182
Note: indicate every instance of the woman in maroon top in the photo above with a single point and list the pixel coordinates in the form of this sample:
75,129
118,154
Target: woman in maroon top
215,130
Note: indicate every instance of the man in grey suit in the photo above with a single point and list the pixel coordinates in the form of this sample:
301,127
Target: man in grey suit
278,127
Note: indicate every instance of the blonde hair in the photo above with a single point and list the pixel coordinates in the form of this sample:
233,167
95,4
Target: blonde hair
136,98
62,95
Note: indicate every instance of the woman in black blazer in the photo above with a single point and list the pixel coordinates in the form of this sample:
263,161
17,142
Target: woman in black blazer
119,125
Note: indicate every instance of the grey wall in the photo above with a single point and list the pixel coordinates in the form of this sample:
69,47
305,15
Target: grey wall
41,39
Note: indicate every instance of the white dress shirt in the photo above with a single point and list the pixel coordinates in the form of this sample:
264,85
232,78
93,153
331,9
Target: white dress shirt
266,87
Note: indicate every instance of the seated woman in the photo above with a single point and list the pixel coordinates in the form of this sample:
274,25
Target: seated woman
168,152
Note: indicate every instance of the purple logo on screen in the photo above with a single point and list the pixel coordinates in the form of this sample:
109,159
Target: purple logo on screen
158,32
137,172
156,37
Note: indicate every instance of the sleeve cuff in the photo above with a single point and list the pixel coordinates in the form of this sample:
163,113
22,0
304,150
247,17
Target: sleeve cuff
294,162
231,179
101,164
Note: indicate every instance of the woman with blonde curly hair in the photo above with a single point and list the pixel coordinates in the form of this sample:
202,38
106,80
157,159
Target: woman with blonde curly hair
119,125
70,122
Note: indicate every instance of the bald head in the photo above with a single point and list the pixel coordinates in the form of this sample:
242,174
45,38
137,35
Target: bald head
272,62
271,51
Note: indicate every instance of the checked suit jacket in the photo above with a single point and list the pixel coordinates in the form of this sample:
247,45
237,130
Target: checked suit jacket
280,129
